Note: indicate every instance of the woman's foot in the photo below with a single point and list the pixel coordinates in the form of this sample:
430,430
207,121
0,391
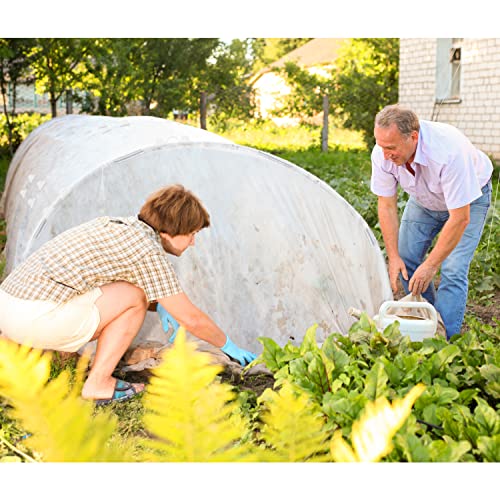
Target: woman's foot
110,389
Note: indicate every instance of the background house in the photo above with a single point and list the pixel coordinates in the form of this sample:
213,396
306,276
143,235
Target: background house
457,81
316,56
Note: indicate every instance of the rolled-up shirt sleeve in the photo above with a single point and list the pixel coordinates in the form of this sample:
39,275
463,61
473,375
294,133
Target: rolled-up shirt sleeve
156,276
383,182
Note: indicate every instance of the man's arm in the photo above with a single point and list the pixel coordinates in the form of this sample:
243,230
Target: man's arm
193,319
389,225
451,234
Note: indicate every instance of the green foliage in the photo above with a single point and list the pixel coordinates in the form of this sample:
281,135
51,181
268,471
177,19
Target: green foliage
61,424
167,68
225,80
188,415
306,92
199,423
21,126
456,418
112,74
58,65
366,81
154,76
147,76
14,65
293,427
484,273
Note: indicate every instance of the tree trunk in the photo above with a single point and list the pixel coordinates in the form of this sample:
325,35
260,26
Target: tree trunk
53,105
324,130
203,110
7,120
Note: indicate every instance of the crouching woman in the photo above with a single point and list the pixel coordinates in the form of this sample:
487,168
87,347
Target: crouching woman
97,280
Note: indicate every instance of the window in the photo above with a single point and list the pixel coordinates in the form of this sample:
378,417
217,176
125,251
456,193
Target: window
448,69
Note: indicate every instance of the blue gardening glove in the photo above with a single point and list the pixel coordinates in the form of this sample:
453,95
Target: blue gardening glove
166,321
233,351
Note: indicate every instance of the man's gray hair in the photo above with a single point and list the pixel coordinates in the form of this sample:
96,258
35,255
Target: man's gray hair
405,119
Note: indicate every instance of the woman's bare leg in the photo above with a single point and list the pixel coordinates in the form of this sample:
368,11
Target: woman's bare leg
122,308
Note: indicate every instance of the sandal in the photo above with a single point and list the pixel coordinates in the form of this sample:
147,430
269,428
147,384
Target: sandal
123,392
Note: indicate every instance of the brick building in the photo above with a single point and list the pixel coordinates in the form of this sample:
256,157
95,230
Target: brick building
457,81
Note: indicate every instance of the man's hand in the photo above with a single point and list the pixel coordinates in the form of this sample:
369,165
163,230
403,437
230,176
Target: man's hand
422,278
396,266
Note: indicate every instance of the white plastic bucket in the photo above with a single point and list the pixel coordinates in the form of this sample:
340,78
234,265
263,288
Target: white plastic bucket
416,328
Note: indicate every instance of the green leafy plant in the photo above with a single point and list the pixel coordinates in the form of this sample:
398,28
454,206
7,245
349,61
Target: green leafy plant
455,419
189,416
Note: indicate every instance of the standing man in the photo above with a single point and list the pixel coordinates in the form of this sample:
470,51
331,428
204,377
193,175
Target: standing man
449,183
96,282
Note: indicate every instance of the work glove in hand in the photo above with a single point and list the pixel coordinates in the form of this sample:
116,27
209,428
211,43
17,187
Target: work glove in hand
166,321
233,351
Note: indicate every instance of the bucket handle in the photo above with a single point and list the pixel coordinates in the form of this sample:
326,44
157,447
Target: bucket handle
409,305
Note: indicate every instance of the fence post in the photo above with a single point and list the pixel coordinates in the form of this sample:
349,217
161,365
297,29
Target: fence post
69,102
324,130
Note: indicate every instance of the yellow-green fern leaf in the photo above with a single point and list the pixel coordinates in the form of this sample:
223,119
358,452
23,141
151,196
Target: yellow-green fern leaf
23,371
372,434
293,426
62,424
192,417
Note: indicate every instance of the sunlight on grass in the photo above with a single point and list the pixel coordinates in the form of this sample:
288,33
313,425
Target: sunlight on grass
268,136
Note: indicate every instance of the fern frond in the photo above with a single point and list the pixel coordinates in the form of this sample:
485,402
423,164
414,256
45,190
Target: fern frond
62,424
192,417
293,426
372,434
23,371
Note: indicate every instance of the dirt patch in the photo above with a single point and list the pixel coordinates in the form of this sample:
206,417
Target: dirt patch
486,313
256,383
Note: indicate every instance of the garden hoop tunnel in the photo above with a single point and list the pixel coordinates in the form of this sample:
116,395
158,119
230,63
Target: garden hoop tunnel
283,252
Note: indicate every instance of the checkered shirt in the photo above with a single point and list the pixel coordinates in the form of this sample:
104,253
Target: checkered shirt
101,251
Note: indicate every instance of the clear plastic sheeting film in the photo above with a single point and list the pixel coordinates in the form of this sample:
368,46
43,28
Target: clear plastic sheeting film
284,251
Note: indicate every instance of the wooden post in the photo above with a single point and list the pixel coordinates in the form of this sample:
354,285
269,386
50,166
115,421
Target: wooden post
69,102
324,130
203,110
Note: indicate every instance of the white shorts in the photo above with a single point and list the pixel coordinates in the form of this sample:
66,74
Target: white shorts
44,324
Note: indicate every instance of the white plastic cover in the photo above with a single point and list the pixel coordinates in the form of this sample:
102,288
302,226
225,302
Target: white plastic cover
284,251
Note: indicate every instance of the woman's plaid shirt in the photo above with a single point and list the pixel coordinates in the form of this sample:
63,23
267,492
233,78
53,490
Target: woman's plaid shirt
93,254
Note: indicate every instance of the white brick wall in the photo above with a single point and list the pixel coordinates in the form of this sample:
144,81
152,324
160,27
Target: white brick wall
478,113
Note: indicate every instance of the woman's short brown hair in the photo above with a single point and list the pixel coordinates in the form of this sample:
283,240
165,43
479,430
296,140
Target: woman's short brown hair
174,210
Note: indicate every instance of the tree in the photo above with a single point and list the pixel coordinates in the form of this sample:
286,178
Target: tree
307,89
113,72
14,69
168,69
161,75
225,81
367,80
58,65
